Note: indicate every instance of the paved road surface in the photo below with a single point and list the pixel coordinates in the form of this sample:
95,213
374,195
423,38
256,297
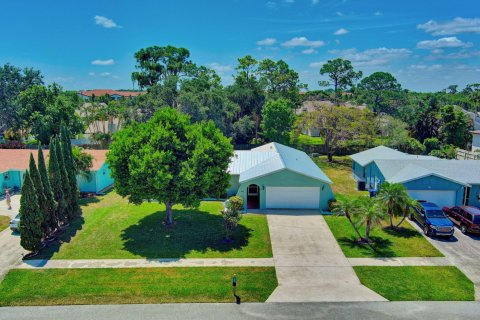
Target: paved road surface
10,249
309,263
277,311
464,252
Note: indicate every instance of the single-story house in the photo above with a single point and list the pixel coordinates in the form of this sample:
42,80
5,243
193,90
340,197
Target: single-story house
14,163
274,176
114,94
441,181
364,169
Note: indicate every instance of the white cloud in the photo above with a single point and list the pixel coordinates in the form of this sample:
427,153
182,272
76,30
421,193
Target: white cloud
340,14
317,65
340,32
309,51
271,4
302,42
455,26
377,13
107,62
372,57
267,42
314,2
105,22
289,1
219,68
447,42
424,67
103,75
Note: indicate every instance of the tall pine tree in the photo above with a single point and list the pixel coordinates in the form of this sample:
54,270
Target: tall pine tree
56,183
70,167
31,218
67,194
42,201
50,204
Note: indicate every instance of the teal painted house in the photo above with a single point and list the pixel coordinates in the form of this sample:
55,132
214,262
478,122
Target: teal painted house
274,176
441,181
14,163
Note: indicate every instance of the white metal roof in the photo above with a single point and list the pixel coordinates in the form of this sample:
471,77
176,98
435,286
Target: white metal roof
273,157
466,172
381,152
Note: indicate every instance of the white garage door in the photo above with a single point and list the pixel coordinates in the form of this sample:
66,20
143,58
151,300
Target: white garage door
293,197
440,197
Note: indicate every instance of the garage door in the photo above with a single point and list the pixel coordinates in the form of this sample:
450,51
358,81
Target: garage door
440,197
292,197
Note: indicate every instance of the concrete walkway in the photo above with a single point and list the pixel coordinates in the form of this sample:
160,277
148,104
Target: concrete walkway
309,263
400,262
145,263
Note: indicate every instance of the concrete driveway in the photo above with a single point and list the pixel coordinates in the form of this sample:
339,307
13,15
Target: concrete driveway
309,263
10,250
463,251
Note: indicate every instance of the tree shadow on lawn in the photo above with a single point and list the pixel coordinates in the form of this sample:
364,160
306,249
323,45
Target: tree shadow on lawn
193,230
381,246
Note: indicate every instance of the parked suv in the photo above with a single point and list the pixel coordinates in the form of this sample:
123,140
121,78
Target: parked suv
467,218
432,219
15,223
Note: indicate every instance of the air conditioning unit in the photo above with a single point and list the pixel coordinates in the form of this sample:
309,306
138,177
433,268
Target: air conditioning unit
361,185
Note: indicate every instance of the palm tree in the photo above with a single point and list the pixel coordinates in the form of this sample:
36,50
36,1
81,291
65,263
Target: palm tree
370,214
394,197
347,207
412,204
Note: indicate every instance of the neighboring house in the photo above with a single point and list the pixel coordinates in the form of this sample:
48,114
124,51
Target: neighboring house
14,163
475,140
274,176
114,94
441,181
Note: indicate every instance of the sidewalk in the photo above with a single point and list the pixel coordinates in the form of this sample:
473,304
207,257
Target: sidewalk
400,262
145,263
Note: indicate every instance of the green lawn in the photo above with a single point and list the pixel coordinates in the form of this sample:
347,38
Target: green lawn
111,228
417,283
4,222
340,172
135,285
404,242
306,140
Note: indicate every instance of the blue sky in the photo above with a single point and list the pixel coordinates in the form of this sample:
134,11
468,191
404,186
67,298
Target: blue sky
427,45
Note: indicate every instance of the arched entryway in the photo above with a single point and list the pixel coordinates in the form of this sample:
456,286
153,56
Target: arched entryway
253,197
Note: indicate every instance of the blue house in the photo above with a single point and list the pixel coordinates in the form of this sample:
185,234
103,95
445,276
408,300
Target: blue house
441,181
14,163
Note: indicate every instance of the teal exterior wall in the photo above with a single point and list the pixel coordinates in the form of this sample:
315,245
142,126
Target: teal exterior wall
104,178
474,196
286,178
10,179
234,185
436,183
99,180
373,176
358,171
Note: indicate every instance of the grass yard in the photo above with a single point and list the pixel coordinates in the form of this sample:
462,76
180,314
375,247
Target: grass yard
417,283
4,222
404,242
111,228
306,140
135,285
340,172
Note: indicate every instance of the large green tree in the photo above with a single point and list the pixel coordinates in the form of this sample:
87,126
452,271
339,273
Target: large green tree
70,168
13,80
170,160
456,126
341,75
42,200
156,64
55,176
277,120
50,204
376,85
66,187
31,218
44,109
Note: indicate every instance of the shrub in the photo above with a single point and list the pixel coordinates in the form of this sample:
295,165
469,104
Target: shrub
231,215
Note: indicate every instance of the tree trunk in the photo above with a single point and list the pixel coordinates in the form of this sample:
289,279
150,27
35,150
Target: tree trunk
330,156
367,232
391,220
403,219
169,213
353,226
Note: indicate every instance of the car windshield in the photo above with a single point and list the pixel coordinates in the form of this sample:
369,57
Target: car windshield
17,216
435,214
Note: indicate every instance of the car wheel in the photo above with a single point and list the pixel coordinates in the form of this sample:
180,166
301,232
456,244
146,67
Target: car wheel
463,228
426,230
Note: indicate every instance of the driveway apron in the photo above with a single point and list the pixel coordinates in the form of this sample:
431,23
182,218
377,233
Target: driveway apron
309,263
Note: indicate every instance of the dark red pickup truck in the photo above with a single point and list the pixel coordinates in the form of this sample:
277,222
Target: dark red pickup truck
467,218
